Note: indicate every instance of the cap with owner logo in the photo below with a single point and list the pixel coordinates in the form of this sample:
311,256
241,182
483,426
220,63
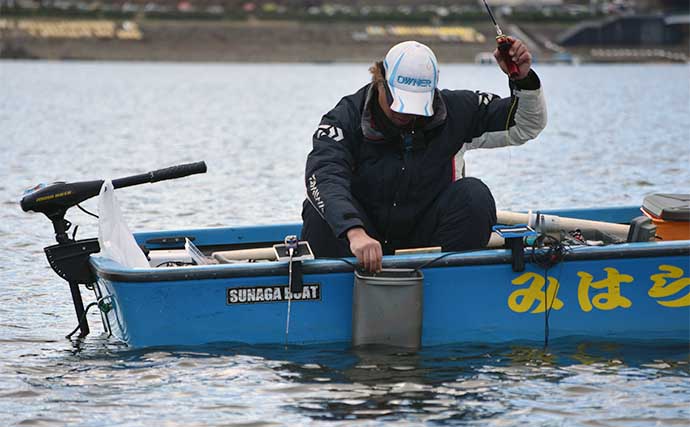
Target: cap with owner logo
412,75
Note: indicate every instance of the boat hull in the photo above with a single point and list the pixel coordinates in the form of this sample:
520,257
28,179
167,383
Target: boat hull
638,291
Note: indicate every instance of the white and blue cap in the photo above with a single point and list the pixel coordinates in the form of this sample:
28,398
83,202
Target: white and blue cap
412,75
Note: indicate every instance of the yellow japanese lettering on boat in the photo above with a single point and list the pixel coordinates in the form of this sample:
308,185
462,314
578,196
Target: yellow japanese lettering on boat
522,300
662,288
608,300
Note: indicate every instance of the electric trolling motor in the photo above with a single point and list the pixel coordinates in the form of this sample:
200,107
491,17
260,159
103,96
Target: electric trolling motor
70,257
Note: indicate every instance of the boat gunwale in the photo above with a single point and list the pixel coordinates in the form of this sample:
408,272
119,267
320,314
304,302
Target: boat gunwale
110,270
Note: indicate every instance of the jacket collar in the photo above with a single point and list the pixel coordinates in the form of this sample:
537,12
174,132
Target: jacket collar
369,129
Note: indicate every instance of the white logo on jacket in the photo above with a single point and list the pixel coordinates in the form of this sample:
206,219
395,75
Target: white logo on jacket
485,98
333,132
317,202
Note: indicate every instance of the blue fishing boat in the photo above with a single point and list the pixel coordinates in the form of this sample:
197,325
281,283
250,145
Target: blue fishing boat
528,289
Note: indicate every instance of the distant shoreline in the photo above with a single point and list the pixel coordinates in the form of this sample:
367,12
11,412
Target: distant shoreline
264,41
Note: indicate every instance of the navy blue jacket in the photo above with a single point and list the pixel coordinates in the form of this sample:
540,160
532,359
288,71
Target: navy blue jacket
396,176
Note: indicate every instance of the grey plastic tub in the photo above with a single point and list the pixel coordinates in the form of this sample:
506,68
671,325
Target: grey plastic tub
387,308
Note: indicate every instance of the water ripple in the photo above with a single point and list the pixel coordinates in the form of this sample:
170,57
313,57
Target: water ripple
605,144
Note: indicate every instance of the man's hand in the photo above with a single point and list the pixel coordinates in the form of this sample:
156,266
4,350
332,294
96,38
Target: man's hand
367,250
521,57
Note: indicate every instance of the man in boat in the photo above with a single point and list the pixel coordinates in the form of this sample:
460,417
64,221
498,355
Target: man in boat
382,172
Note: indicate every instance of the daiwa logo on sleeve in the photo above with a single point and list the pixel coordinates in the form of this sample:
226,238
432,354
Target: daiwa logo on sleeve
411,81
485,98
330,131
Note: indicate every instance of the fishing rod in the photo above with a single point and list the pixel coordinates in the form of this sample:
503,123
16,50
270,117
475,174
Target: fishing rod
503,46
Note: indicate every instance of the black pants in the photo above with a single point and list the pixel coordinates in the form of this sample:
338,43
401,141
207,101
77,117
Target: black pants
459,219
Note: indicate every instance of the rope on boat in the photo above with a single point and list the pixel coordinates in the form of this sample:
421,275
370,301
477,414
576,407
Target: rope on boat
103,306
83,318
555,251
86,211
418,268
287,320
291,243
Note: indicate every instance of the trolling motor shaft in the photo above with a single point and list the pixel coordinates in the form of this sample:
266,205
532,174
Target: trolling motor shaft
70,258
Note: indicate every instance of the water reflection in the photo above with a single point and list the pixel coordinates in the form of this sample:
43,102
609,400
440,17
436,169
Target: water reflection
456,383
507,384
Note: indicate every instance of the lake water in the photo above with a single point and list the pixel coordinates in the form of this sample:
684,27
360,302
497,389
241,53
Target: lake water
615,134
